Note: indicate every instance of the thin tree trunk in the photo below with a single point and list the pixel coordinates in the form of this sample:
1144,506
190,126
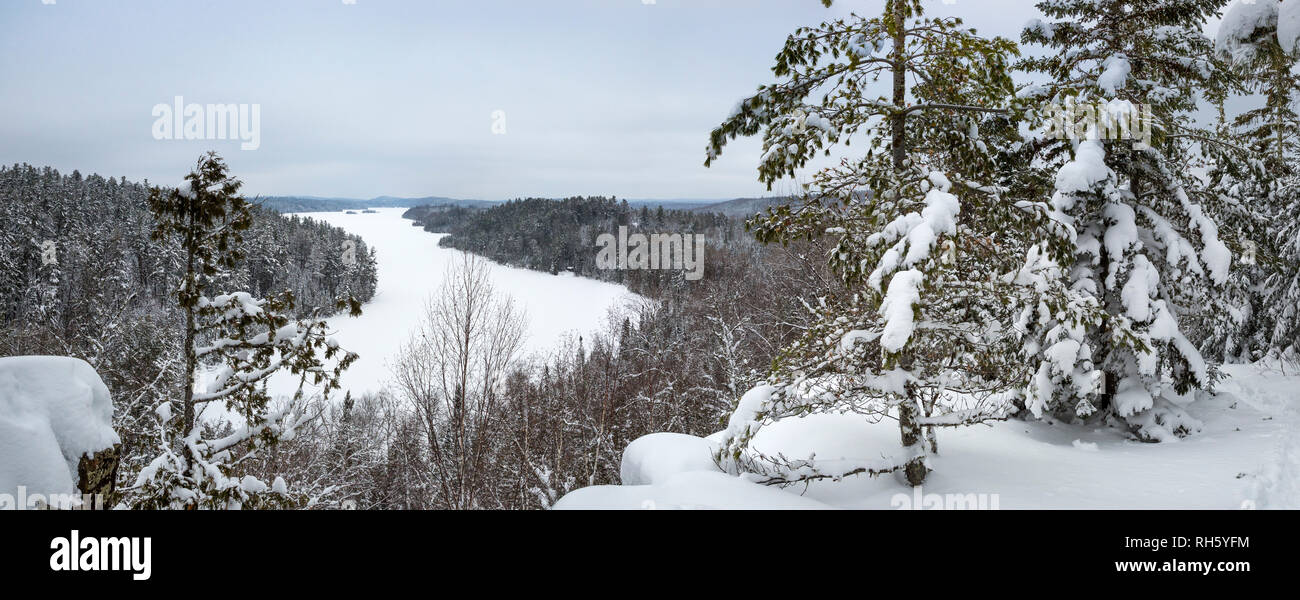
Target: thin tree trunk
898,120
912,432
191,360
909,409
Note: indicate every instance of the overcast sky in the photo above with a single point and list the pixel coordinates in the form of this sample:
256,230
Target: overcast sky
396,97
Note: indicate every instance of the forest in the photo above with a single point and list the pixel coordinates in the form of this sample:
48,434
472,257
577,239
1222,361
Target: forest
81,275
557,235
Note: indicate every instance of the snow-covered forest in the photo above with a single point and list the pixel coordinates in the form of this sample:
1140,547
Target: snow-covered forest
1054,269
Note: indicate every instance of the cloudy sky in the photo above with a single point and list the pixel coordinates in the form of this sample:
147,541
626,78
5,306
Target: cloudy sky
397,97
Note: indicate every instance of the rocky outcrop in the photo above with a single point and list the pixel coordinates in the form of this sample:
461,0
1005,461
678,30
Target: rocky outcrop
97,475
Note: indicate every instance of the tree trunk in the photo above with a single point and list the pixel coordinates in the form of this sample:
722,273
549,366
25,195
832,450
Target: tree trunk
910,409
912,432
898,120
191,283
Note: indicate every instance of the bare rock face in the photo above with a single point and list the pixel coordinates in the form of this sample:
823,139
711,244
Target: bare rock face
97,474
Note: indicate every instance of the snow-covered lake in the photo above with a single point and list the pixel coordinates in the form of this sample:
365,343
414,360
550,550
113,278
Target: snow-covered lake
412,267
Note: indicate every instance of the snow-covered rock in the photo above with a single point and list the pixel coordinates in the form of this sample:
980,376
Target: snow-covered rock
684,491
657,457
675,471
53,410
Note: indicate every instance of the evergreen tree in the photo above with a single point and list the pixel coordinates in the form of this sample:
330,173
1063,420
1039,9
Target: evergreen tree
1283,302
247,339
1143,248
922,233
1257,175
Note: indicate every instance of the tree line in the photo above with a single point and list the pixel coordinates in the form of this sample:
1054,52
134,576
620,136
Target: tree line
558,236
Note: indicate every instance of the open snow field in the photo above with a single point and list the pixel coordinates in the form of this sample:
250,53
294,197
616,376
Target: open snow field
1248,456
411,268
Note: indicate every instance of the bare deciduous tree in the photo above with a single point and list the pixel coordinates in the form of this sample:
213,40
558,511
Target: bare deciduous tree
452,372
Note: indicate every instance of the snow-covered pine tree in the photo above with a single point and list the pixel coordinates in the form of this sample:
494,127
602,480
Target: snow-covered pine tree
247,339
1258,175
1145,251
1283,317
923,234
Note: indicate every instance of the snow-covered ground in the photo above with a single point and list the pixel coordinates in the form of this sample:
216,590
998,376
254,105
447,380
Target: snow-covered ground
1248,456
411,268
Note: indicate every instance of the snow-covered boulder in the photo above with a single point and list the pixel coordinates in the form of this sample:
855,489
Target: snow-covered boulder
657,457
53,411
700,490
676,471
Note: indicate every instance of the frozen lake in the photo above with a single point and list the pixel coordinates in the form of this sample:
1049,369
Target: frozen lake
412,267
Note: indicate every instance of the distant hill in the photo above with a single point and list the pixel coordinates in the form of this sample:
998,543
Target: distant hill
432,201
742,207
670,203
292,204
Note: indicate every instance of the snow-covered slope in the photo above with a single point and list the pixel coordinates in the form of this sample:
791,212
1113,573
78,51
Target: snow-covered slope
53,410
1247,456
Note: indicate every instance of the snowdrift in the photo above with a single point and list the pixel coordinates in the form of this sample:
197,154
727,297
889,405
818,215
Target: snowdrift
676,471
53,410
1245,457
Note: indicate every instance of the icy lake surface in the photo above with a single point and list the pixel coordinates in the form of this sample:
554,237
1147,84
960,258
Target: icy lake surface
412,267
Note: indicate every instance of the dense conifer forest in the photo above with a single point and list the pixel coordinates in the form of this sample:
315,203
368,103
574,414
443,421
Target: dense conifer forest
81,275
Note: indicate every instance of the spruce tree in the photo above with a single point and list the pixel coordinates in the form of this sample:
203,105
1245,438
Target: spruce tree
1258,175
1144,250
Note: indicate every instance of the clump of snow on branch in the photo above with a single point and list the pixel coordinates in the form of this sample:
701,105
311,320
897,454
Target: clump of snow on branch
898,309
1288,25
1117,69
1241,25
